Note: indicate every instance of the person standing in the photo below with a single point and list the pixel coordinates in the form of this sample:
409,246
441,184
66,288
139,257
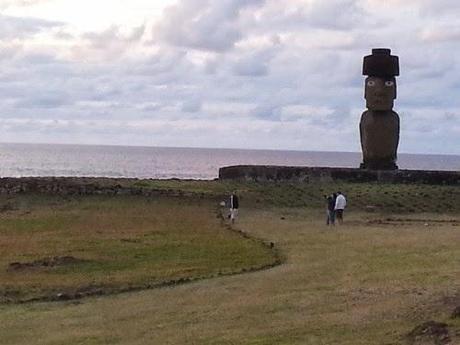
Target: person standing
330,204
234,205
340,204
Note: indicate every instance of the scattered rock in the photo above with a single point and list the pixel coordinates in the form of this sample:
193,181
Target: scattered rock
411,221
431,332
456,313
378,222
7,207
17,266
42,263
63,296
370,208
130,240
80,293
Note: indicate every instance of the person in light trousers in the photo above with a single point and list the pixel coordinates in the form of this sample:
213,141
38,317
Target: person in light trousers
340,204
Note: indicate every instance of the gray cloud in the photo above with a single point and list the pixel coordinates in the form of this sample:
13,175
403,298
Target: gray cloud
335,14
16,27
102,39
250,67
267,111
191,106
44,101
204,24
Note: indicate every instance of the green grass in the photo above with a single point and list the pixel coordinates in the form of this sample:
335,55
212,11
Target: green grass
121,243
385,197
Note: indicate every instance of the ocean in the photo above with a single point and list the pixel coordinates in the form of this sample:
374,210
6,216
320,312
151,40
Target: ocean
21,160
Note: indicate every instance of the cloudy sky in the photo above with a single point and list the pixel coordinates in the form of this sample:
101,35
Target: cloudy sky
276,74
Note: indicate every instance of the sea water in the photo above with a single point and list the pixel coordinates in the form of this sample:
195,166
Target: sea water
20,160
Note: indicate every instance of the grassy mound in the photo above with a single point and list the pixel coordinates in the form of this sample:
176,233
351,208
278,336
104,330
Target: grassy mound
62,249
381,197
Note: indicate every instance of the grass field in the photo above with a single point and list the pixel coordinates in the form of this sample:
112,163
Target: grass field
391,267
99,245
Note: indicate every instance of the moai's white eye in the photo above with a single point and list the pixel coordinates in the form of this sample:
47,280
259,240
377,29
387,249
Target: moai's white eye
371,83
389,83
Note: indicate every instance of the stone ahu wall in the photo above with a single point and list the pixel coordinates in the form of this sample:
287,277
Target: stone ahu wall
323,174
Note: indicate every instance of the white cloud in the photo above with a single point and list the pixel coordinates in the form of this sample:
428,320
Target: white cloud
20,3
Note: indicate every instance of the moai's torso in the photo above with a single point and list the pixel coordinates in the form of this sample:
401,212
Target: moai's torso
379,138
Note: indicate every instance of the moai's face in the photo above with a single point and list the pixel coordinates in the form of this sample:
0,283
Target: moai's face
380,93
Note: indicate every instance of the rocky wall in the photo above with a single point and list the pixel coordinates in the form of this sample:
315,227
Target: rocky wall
81,186
324,174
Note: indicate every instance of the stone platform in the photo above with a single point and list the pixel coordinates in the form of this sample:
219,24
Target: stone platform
326,174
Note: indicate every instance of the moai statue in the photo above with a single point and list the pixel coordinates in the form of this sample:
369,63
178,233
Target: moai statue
379,126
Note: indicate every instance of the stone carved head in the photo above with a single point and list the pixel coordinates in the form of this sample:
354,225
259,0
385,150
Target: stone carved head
380,90
380,93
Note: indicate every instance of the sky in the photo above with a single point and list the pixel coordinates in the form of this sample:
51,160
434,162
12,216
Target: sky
252,74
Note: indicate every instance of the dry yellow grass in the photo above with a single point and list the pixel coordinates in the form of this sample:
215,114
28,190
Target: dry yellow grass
363,283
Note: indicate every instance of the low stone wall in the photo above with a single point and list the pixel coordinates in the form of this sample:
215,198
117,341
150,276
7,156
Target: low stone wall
81,186
324,174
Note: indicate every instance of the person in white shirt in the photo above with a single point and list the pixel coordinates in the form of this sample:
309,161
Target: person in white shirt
340,204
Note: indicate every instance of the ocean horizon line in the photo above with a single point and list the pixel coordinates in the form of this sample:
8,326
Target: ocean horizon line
215,148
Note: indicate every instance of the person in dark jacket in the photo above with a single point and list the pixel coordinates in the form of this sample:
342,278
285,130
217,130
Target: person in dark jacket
330,204
234,205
